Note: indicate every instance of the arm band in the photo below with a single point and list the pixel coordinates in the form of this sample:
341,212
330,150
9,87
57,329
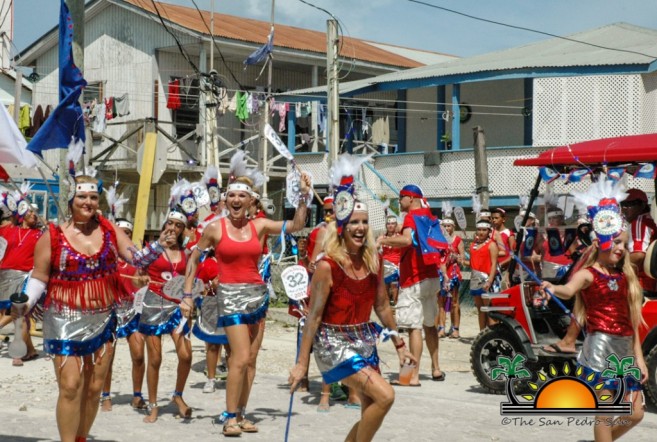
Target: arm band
34,289
146,256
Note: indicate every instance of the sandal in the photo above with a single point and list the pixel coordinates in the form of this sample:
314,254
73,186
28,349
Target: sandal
17,362
441,332
455,333
232,430
247,426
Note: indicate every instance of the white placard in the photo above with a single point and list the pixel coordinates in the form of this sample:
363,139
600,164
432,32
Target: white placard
138,303
295,281
517,222
459,214
3,248
174,287
278,144
201,194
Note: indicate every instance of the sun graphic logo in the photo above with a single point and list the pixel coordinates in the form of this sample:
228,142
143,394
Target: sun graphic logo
578,392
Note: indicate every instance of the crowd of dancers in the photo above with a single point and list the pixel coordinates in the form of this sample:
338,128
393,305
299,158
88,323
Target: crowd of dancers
91,286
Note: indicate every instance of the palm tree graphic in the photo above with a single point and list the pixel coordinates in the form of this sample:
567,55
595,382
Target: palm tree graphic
511,369
619,369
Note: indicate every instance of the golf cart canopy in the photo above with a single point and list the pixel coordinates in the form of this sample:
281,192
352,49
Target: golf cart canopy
618,151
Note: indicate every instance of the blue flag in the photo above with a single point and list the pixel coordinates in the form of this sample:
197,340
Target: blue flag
262,52
530,242
65,123
430,238
646,171
548,175
554,242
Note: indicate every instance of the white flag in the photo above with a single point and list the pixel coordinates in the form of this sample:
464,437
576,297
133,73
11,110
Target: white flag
12,143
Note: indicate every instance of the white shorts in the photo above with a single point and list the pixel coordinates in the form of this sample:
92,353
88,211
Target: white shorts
417,305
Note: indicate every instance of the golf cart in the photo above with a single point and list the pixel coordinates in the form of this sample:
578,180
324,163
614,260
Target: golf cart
523,326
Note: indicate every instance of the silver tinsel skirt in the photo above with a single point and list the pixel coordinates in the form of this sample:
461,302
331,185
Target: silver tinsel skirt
76,333
159,316
241,303
596,349
11,281
127,319
205,328
343,350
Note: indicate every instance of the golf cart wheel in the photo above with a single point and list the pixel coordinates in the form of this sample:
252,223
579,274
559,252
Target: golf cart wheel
487,346
651,385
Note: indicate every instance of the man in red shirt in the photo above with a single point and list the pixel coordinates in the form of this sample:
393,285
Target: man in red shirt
417,306
16,264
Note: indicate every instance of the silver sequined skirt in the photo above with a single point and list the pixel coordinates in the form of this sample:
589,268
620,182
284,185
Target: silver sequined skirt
76,333
241,303
205,327
343,350
127,319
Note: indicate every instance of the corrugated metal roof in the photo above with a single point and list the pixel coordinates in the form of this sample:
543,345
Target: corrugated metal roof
256,31
552,53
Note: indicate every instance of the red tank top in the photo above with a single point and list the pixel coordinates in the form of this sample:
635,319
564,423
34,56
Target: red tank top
238,260
607,310
350,300
162,270
453,269
83,281
480,257
21,242
312,239
392,254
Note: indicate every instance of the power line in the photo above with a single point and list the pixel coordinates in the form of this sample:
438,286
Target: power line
522,28
6,13
180,47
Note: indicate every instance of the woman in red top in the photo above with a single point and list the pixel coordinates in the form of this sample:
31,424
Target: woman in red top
391,258
17,262
454,261
161,315
483,262
242,295
347,284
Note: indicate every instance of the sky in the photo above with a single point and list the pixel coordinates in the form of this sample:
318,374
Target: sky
403,22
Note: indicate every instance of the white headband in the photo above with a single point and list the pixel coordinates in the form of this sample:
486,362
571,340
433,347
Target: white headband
125,225
86,187
239,186
555,212
447,221
177,216
531,214
483,225
360,207
484,213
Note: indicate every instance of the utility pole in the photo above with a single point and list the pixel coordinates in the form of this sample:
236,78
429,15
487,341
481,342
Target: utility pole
76,9
481,166
333,90
264,118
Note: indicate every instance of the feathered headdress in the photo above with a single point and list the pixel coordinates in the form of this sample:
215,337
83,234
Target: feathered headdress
182,202
447,209
238,168
342,179
476,205
115,203
73,155
552,204
601,203
22,199
212,181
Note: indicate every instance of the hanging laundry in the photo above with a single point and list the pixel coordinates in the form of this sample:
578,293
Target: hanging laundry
173,102
232,104
321,121
122,105
37,120
241,112
305,110
223,101
297,110
279,109
98,124
109,108
24,121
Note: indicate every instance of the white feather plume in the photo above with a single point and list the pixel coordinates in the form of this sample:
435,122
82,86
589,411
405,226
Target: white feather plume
75,149
90,171
603,188
211,172
115,201
238,164
551,199
447,209
26,188
346,165
179,188
257,177
476,204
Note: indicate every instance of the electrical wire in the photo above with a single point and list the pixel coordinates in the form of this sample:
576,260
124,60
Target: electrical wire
180,47
6,13
523,28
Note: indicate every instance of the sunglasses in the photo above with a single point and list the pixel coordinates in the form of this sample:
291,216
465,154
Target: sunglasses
630,203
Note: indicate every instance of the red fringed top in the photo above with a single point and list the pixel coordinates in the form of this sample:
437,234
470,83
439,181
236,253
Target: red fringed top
81,281
351,300
607,306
